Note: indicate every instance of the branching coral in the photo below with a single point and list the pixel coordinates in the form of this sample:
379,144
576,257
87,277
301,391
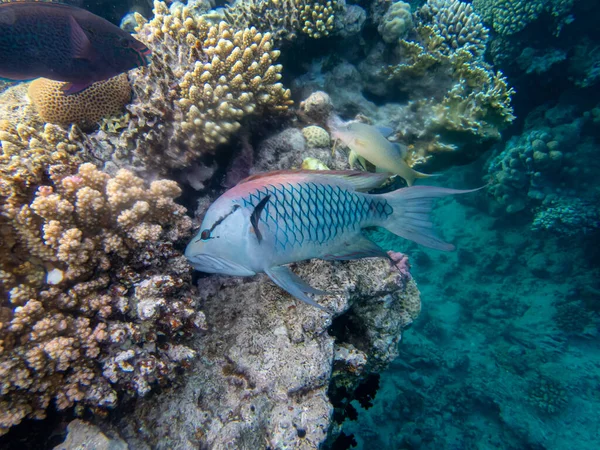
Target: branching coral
285,19
456,22
204,81
466,104
101,99
88,275
511,16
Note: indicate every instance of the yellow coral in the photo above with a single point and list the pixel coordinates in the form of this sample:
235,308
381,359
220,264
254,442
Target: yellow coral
204,80
101,99
511,16
318,19
60,233
316,137
285,18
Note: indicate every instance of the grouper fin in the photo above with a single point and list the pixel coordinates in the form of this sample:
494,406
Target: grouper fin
410,218
255,217
356,248
74,88
287,280
82,47
359,180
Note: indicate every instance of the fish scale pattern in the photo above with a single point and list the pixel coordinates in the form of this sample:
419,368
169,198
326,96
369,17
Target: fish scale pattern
303,213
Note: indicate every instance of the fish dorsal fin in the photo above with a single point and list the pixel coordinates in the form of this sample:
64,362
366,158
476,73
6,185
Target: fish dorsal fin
361,181
82,47
385,131
255,217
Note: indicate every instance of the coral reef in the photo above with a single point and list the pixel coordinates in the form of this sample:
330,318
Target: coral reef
86,108
456,115
286,19
271,359
316,137
396,23
204,80
511,16
85,435
89,277
540,172
457,24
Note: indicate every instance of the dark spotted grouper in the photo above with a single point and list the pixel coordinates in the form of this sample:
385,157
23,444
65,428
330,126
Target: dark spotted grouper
63,43
278,218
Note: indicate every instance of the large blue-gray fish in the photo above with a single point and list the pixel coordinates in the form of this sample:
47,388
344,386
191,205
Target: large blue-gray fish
277,218
63,43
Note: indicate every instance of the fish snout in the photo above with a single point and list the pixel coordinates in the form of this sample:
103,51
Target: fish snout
207,263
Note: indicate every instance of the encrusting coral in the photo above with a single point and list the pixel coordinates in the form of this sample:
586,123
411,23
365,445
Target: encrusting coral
86,108
396,23
203,82
89,277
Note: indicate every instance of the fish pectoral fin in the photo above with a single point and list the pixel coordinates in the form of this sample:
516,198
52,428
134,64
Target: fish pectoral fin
82,47
352,157
74,88
358,247
385,131
255,217
287,280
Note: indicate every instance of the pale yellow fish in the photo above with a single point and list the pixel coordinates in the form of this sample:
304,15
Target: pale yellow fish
367,142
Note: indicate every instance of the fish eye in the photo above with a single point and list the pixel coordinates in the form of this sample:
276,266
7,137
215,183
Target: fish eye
205,235
124,42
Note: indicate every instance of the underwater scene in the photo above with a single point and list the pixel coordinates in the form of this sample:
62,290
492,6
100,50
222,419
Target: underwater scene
300,224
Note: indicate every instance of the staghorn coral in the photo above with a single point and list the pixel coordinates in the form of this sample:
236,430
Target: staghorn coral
511,16
86,108
204,81
459,26
285,19
396,23
88,275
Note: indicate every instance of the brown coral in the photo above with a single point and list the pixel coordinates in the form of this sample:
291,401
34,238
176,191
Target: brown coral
101,99
76,246
203,82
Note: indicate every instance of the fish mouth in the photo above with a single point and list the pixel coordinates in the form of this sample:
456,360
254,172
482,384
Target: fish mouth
216,264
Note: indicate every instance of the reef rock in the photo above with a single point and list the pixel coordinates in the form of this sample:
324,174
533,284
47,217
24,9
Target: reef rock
265,365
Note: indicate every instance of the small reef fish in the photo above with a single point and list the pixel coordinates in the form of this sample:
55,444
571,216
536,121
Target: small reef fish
63,43
273,219
369,142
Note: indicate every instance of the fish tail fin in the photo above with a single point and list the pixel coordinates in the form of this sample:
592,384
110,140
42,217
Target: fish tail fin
410,217
413,175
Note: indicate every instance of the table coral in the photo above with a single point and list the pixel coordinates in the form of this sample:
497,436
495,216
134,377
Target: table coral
204,80
86,108
89,278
